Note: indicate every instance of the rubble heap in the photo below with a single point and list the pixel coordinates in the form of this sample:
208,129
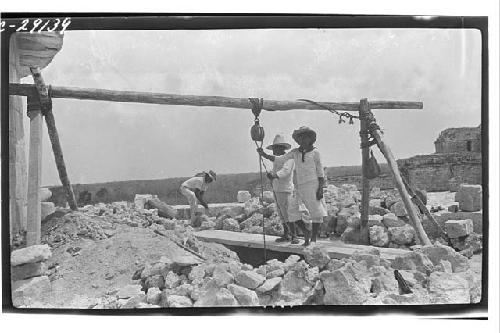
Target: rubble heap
434,274
28,274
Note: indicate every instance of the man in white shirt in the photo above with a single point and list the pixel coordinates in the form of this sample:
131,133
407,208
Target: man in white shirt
194,188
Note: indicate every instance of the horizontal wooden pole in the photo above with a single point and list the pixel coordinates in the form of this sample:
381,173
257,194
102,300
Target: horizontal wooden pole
192,100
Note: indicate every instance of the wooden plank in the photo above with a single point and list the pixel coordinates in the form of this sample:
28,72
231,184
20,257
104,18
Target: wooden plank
391,161
34,213
364,108
335,248
193,100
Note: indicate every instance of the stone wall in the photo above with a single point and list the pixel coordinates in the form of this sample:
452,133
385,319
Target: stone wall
442,172
455,140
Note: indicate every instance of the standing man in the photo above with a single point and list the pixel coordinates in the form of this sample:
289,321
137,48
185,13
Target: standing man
281,178
194,188
310,176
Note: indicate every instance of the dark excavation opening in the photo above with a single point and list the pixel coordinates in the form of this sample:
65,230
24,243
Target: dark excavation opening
469,145
255,257
84,198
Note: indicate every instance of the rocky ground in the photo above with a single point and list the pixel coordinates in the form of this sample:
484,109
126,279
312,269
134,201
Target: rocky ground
117,256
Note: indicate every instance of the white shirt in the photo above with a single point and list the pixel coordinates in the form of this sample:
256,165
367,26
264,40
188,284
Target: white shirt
196,182
309,170
283,168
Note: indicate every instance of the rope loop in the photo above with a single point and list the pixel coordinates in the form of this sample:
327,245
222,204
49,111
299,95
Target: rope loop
257,104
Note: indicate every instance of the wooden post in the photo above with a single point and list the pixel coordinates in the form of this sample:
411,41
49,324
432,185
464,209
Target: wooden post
34,213
377,134
364,108
58,156
46,105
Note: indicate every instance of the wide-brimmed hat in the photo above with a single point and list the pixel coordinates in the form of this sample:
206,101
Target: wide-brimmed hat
304,130
279,140
212,175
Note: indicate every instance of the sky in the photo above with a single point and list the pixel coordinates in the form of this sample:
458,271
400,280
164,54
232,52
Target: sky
108,141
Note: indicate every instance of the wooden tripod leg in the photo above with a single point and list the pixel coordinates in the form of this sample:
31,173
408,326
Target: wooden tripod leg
377,134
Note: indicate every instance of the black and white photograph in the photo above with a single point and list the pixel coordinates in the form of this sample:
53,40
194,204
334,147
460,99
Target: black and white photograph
174,164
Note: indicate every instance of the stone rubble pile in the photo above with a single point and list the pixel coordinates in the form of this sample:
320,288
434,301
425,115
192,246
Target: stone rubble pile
29,274
436,274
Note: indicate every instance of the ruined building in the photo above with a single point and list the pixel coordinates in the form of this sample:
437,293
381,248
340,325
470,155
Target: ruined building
457,160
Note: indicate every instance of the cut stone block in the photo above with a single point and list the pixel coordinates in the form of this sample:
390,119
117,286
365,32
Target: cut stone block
470,197
47,208
459,228
141,199
30,254
243,196
26,271
26,292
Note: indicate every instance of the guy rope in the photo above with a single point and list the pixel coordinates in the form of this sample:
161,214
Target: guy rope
257,134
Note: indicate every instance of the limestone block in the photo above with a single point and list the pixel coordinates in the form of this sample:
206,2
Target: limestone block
243,196
30,254
47,208
459,228
141,199
470,197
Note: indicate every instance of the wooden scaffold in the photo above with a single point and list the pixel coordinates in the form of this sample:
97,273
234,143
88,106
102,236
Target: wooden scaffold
40,105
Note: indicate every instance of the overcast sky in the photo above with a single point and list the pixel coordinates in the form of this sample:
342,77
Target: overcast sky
106,141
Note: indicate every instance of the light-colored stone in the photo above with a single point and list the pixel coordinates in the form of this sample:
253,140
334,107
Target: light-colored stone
244,296
378,236
391,220
141,199
249,279
47,208
176,301
342,288
222,276
375,220
399,209
446,288
436,253
45,194
130,291
470,197
30,254
404,235
153,296
458,228
413,261
269,285
230,224
25,292
316,256
294,289
243,196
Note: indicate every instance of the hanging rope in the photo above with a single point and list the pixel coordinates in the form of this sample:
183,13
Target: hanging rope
257,133
341,115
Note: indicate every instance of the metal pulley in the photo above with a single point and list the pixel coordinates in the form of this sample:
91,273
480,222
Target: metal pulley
257,131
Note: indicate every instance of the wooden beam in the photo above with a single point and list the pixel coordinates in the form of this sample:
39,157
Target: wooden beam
46,105
192,100
391,161
34,219
364,108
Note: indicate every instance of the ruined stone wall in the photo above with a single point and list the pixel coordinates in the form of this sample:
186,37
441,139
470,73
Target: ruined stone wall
456,140
442,172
